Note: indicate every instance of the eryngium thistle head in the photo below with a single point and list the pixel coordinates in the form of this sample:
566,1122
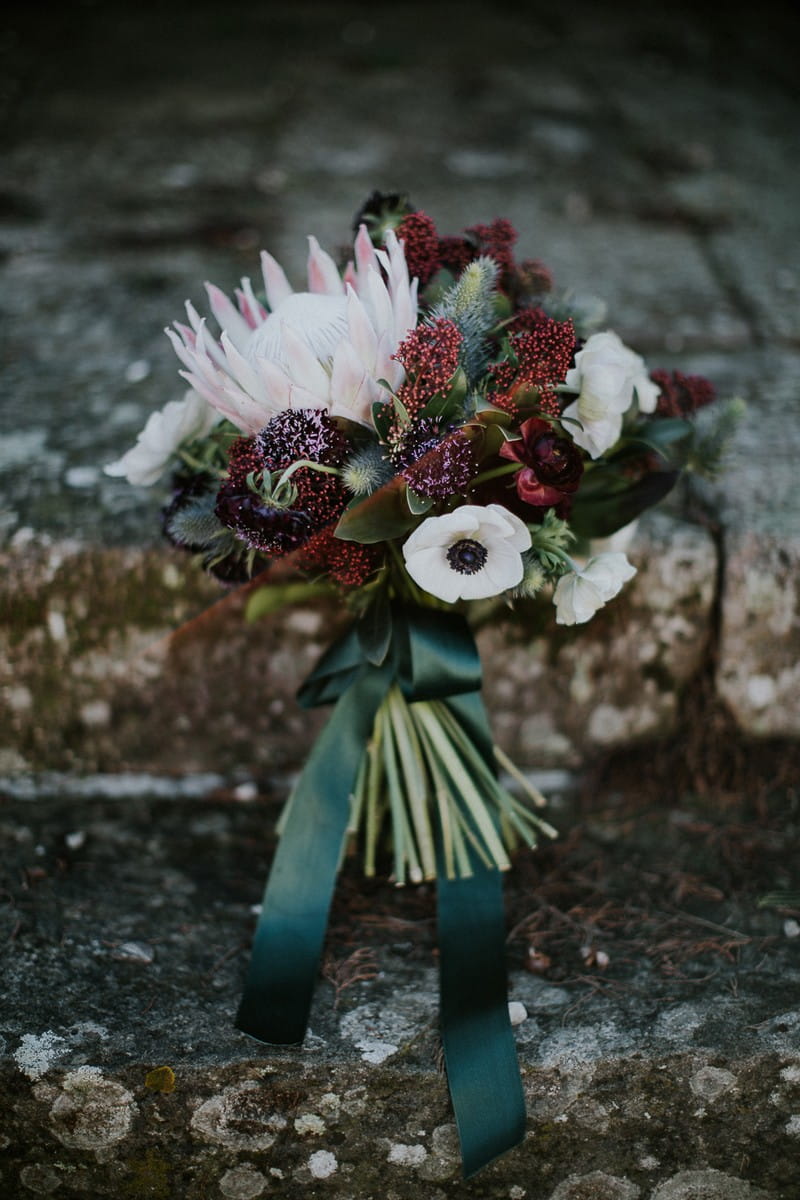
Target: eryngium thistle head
366,470
469,304
190,523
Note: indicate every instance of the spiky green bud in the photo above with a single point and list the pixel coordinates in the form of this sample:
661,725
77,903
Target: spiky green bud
366,471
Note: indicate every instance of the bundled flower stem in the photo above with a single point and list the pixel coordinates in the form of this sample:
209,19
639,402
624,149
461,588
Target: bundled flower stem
422,767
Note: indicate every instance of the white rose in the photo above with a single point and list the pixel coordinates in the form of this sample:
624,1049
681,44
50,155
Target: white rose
468,554
580,593
177,422
606,374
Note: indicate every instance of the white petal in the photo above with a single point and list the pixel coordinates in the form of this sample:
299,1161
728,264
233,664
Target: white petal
464,522
241,370
366,259
608,572
362,334
302,364
228,316
576,600
258,314
323,274
647,393
514,529
430,569
352,390
276,285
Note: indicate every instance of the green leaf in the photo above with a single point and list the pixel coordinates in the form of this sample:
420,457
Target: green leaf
669,437
374,629
272,597
450,403
417,504
615,501
378,518
382,418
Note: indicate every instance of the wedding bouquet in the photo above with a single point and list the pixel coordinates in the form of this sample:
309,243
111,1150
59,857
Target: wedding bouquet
427,427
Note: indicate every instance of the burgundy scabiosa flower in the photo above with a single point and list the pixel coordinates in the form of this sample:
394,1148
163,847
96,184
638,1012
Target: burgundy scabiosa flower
269,501
552,466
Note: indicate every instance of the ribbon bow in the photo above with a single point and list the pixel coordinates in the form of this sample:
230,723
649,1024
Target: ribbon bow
432,655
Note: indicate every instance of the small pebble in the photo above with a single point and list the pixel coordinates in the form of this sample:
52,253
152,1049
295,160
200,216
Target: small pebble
136,371
517,1012
134,952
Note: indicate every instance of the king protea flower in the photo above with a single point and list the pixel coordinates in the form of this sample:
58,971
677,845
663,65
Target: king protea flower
323,348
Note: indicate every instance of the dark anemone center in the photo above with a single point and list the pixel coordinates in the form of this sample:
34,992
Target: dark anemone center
467,556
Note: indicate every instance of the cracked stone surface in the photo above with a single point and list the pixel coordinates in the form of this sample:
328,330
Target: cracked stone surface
123,955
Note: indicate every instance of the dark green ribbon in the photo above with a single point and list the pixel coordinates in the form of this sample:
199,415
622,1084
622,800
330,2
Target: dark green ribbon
432,655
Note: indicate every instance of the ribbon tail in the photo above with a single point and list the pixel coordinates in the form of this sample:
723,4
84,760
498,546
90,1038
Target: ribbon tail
294,914
480,1053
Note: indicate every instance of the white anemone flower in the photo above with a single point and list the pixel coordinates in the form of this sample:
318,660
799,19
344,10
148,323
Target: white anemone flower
606,374
323,348
468,554
166,431
581,592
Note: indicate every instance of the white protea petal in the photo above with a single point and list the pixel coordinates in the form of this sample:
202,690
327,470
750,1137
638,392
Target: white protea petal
195,320
405,311
252,308
250,415
323,274
181,348
241,370
215,396
277,384
300,398
186,333
341,332
202,360
208,346
386,365
362,334
366,258
276,285
228,316
379,303
352,389
302,364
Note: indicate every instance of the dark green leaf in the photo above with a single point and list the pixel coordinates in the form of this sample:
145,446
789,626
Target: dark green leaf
382,516
604,512
374,629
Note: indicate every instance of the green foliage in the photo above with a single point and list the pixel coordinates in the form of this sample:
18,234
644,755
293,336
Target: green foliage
374,628
274,596
640,472
382,516
549,542
709,453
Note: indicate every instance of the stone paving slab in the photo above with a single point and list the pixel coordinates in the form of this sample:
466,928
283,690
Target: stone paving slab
125,932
